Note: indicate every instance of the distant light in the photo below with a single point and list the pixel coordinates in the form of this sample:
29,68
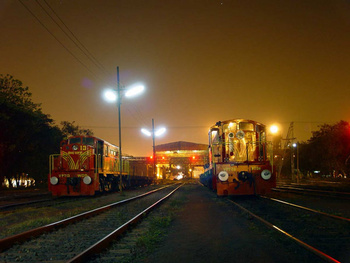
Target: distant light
294,145
134,90
110,95
180,176
178,167
317,172
156,133
160,132
146,132
273,129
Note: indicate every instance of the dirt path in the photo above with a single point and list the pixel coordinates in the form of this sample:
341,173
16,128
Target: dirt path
208,229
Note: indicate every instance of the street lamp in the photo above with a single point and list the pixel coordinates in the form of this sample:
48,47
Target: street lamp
296,145
274,129
112,95
153,133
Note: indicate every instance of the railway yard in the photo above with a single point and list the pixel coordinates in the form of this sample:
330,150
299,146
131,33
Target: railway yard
191,225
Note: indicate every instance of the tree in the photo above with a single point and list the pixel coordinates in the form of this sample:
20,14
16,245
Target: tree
328,149
12,91
27,136
70,129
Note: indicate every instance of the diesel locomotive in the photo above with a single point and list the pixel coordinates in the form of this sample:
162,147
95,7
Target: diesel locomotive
87,165
240,159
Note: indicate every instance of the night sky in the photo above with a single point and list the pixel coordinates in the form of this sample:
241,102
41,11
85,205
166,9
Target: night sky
273,61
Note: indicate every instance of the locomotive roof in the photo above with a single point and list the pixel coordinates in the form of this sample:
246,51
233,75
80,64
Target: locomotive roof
91,136
238,121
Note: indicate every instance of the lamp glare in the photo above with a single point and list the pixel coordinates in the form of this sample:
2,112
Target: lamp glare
160,131
274,129
146,132
110,95
135,90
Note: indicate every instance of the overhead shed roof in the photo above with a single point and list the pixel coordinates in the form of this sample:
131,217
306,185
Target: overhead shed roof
181,145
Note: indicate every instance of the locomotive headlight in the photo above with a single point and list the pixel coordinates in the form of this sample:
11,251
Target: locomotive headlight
87,180
75,147
54,180
266,174
223,176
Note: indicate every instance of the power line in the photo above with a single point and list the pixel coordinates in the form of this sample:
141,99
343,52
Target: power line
80,46
86,52
137,114
48,30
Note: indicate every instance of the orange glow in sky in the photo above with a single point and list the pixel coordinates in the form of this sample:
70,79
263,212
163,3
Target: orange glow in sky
273,61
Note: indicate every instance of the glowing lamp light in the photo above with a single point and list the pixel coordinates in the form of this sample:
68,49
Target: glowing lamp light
160,131
110,95
134,90
156,133
146,132
273,129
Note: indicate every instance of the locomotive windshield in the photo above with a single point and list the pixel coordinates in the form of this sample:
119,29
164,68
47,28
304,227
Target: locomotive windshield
75,140
246,126
86,140
214,137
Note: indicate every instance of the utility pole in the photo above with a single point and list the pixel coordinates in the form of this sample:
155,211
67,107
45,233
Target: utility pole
287,145
119,102
154,149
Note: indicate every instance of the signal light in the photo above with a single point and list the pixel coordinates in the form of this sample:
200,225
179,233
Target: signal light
151,157
193,157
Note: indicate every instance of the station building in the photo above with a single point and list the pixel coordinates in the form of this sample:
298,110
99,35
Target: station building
180,159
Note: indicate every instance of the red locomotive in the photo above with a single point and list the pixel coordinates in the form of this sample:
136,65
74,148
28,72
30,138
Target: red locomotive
240,160
87,165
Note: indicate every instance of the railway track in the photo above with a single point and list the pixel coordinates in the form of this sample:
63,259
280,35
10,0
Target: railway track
78,238
323,234
42,200
306,191
21,204
40,203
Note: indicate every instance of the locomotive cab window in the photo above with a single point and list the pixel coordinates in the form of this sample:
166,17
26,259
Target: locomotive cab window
246,126
75,140
230,127
88,141
214,136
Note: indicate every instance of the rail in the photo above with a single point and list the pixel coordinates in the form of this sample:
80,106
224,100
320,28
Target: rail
8,242
298,241
103,243
306,208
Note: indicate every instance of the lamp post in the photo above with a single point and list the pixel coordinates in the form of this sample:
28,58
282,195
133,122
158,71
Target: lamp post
110,96
119,102
296,145
274,130
153,134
